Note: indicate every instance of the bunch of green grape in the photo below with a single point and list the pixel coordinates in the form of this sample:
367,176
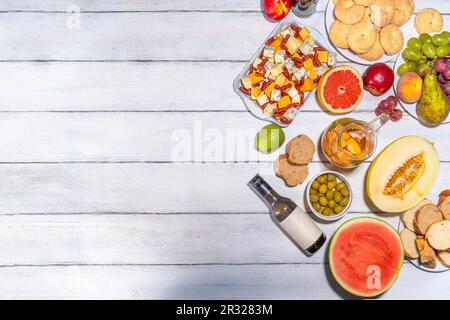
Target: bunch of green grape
420,53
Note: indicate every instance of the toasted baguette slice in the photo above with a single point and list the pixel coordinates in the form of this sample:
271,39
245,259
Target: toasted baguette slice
425,217
443,195
444,257
438,235
426,253
409,215
444,206
409,243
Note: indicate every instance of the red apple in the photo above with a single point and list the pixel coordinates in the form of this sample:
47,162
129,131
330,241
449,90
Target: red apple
378,78
276,9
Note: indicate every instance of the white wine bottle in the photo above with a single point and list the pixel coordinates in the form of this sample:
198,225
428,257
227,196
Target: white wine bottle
296,223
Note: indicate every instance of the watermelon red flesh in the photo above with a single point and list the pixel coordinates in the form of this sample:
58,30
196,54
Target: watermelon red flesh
359,244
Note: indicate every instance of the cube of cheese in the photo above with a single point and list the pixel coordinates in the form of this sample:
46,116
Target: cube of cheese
331,59
256,63
290,66
246,82
300,73
292,45
306,48
277,70
296,99
308,64
270,109
292,92
290,113
254,94
262,99
310,39
276,95
268,51
322,56
287,31
304,33
312,74
279,81
280,56
320,70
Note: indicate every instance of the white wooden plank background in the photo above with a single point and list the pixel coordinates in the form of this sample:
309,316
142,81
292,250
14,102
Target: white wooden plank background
93,205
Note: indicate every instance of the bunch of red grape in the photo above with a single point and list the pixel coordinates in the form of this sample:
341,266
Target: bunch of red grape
388,106
442,67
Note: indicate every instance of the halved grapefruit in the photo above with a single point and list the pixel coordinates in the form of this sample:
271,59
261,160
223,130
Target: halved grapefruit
340,89
366,255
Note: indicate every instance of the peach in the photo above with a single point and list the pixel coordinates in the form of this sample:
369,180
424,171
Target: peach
409,87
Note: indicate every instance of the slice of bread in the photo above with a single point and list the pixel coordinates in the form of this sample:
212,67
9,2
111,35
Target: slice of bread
444,257
409,215
444,206
409,243
425,217
438,235
426,253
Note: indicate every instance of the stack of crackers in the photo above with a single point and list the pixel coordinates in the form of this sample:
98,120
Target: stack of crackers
370,28
292,167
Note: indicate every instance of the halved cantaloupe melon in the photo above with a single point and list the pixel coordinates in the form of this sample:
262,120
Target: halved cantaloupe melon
402,174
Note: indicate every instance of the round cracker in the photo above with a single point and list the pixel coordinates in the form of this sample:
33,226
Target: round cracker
361,37
382,12
349,12
300,150
290,173
391,39
338,34
428,20
375,53
404,9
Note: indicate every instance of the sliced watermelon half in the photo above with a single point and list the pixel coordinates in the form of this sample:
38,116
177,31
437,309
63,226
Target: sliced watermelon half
366,256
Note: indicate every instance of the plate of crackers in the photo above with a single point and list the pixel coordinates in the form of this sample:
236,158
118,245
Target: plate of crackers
368,31
425,233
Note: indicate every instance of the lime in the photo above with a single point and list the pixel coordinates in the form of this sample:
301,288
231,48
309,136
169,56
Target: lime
269,138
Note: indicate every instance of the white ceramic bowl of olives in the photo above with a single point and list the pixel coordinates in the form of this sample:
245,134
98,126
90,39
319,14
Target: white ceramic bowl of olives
328,195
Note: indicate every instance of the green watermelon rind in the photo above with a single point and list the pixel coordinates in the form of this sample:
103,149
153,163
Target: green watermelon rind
350,290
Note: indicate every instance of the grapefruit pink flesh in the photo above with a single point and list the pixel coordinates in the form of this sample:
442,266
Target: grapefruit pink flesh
366,255
342,89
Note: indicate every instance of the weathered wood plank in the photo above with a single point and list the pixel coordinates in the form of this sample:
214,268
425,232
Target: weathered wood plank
162,5
179,35
200,282
133,86
168,136
150,239
154,187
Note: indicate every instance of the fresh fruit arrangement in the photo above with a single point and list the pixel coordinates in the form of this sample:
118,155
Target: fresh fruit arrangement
420,53
426,235
402,174
340,89
425,76
290,64
370,28
366,256
329,195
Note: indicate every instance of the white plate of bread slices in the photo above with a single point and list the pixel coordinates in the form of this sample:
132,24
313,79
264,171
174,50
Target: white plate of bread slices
425,232
369,31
